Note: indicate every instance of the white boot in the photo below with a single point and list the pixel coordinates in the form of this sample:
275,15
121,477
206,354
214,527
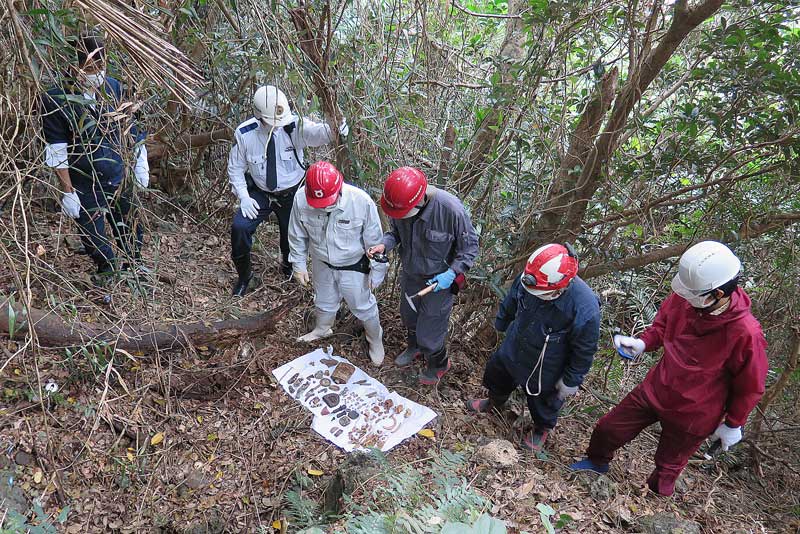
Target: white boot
322,329
374,333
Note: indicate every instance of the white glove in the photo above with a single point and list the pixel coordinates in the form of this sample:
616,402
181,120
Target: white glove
302,277
141,170
142,177
727,435
71,205
565,391
249,207
343,128
377,275
632,346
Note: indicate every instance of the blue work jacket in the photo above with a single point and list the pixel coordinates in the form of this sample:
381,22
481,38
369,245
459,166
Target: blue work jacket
573,323
95,133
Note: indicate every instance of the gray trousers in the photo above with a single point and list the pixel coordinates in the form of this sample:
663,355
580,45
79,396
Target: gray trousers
427,327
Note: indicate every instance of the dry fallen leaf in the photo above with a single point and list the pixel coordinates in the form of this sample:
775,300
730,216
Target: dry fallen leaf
37,475
158,438
315,472
427,433
130,456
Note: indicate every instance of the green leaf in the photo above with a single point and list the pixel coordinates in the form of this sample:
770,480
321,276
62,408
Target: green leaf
12,320
62,516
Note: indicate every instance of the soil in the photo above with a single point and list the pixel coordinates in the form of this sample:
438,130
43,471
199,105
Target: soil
129,451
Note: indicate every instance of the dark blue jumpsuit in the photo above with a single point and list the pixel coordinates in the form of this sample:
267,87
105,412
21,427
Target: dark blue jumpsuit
96,139
571,326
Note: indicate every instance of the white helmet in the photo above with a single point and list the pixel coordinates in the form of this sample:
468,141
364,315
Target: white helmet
270,104
703,268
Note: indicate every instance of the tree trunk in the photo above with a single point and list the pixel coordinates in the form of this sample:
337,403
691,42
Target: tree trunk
493,124
315,42
52,331
570,207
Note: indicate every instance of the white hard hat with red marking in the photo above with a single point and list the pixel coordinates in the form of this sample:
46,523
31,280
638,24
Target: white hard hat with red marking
550,268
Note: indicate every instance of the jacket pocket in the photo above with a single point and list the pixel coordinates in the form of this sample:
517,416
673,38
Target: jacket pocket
257,166
347,234
437,244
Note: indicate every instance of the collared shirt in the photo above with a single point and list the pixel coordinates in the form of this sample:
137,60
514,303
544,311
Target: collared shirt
339,237
441,236
249,152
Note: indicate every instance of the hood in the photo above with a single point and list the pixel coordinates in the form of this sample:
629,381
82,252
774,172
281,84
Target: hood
740,306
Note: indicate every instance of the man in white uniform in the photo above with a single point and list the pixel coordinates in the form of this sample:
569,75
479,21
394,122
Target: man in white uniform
337,223
265,168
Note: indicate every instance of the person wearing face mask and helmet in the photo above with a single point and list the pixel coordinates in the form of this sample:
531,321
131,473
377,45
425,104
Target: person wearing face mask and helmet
552,324
711,376
437,245
91,145
265,169
337,223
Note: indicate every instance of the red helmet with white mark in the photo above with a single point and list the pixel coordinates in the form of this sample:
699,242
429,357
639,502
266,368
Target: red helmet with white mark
404,189
323,184
550,268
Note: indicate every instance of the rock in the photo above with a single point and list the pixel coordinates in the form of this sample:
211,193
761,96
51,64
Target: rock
195,479
213,525
11,496
312,530
23,458
357,468
602,488
666,523
74,244
498,453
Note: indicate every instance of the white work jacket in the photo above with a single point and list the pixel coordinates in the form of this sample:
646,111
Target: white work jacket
249,153
339,237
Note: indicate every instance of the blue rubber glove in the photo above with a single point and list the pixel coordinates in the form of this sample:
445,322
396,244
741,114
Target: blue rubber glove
444,280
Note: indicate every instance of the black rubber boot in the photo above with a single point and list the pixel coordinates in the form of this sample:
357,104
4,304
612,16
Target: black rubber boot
245,271
286,267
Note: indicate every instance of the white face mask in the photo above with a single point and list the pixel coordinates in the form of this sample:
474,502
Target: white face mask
411,213
700,301
550,295
96,80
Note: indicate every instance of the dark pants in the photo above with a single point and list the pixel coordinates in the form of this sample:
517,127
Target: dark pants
625,421
242,229
544,408
427,327
101,204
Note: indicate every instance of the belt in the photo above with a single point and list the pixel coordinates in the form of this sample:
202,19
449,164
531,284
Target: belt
361,266
279,195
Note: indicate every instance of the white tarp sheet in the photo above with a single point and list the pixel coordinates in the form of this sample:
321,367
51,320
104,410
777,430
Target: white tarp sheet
365,413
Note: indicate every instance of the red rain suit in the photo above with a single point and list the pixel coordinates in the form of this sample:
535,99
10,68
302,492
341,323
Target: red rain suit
714,366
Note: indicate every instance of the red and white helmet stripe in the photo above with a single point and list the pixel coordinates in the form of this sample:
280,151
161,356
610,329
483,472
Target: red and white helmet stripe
550,268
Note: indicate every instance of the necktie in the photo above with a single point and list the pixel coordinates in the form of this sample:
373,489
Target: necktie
272,170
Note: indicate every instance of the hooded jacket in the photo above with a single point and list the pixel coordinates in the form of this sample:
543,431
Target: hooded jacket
713,365
572,322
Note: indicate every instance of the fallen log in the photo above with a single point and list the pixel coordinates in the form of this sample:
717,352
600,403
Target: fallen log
53,331
158,149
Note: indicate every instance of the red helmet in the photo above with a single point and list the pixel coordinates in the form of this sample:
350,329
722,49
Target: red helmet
550,268
403,190
323,183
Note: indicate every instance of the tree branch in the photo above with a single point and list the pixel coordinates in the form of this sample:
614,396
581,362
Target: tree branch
747,230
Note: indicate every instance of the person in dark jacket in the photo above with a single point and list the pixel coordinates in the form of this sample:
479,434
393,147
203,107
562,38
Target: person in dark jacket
88,142
710,378
552,324
437,245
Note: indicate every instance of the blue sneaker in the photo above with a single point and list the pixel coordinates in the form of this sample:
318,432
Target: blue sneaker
588,465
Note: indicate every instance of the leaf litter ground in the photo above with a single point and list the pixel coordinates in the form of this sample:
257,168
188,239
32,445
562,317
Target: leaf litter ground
163,445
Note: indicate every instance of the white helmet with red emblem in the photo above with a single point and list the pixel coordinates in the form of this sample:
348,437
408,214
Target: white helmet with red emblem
549,269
